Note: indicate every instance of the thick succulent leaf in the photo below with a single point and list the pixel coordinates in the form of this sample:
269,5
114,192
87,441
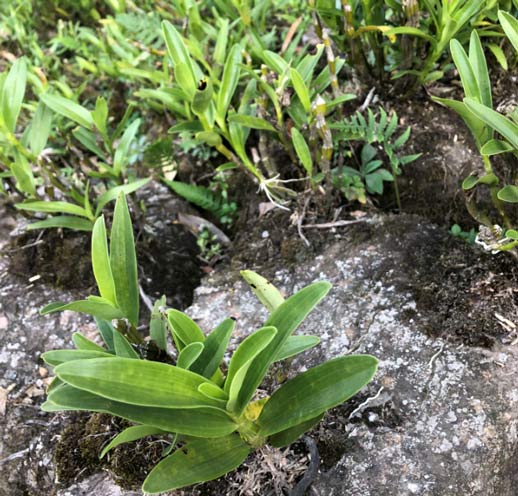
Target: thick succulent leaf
57,357
265,291
198,461
479,66
288,436
313,392
203,422
63,221
83,343
214,348
106,330
123,347
69,109
123,261
510,27
97,307
244,355
189,354
133,433
286,318
497,121
139,382
184,330
112,193
295,345
101,262
12,93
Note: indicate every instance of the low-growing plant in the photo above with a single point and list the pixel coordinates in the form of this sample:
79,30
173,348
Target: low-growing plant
378,133
477,111
211,411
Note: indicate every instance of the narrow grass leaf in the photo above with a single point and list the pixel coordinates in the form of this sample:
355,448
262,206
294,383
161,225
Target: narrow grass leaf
101,262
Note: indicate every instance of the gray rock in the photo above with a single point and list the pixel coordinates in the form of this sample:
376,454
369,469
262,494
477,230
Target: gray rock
441,417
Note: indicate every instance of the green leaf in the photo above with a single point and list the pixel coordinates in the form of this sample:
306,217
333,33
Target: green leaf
113,193
21,170
98,307
498,122
63,221
479,66
83,343
295,345
286,318
13,91
495,147
137,382
101,262
106,330
123,261
184,330
508,194
467,76
39,129
214,348
302,149
130,434
100,116
315,391
198,461
157,326
499,55
205,422
229,80
251,122
202,97
288,436
274,61
189,354
122,152
265,291
69,109
53,207
123,347
243,358
301,89
57,357
510,27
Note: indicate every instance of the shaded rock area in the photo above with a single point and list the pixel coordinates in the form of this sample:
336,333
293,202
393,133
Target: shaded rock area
440,418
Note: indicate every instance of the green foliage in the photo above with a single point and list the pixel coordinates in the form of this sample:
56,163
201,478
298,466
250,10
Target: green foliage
468,236
485,123
213,419
370,176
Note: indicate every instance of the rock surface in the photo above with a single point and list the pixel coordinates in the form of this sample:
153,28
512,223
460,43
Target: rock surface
440,418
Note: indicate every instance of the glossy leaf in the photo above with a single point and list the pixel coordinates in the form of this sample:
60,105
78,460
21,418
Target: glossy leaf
123,261
263,289
69,109
508,194
185,331
214,348
123,347
295,345
302,150
138,382
288,436
83,343
13,91
498,122
189,354
133,433
112,193
286,318
198,461
315,391
204,422
101,262
53,207
98,307
63,221
57,357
